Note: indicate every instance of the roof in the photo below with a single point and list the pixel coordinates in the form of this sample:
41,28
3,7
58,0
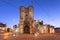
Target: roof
2,25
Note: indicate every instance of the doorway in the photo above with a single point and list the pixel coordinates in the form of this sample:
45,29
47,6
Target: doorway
26,29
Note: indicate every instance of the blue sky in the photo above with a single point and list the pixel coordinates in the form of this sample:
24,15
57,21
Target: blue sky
46,10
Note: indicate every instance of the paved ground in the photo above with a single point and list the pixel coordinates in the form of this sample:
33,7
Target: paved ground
33,37
1,36
39,37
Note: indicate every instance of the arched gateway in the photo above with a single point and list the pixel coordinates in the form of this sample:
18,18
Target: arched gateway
26,29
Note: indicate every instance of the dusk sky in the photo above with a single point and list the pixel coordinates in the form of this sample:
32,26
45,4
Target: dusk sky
46,10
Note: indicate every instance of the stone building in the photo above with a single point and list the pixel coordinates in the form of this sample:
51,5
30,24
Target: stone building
3,28
27,24
44,29
57,30
51,29
36,26
26,20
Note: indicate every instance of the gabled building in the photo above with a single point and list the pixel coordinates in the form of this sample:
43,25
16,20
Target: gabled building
43,28
51,29
57,30
3,27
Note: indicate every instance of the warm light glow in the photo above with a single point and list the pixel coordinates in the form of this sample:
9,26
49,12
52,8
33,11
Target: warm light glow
16,30
0,27
43,29
36,34
14,35
6,35
3,28
51,30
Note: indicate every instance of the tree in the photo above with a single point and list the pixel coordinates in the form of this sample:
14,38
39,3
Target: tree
15,26
41,23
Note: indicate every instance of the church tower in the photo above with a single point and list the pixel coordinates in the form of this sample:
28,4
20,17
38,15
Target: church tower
26,20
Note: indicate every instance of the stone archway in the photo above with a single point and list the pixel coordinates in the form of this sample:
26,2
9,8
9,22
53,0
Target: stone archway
26,29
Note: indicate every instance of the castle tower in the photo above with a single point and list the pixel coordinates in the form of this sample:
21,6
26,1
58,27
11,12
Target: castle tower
26,20
31,16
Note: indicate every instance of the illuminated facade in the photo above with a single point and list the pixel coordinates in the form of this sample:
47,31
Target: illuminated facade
3,28
51,28
27,24
43,29
26,20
